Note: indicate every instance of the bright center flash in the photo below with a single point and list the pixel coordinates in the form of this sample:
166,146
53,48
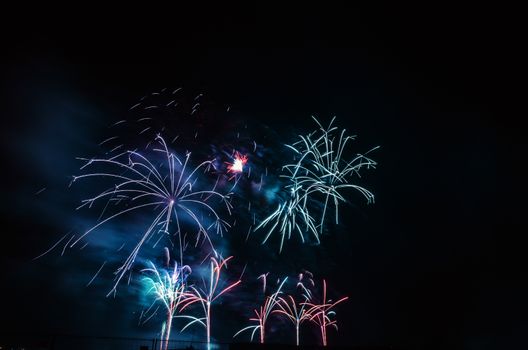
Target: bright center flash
238,164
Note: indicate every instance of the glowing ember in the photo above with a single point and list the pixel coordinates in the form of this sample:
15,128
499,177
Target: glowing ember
238,164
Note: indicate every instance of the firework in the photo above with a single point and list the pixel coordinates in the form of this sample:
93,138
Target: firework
321,168
296,312
238,164
206,297
286,219
320,175
167,189
321,314
168,286
262,314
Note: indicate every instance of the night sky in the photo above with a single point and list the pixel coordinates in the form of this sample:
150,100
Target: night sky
437,262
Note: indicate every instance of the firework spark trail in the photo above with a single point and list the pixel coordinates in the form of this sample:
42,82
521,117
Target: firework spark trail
322,313
66,245
207,296
52,247
167,188
169,288
263,314
264,277
40,191
96,274
320,171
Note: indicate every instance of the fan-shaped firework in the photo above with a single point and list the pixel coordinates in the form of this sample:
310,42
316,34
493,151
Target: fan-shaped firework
296,312
169,287
167,188
263,314
206,296
319,175
321,314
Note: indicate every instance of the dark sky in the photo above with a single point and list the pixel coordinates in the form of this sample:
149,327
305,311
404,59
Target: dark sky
437,262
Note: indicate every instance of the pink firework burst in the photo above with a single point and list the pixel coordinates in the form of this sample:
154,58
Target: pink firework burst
238,164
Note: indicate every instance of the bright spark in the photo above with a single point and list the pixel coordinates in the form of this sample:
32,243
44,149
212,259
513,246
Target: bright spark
238,164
